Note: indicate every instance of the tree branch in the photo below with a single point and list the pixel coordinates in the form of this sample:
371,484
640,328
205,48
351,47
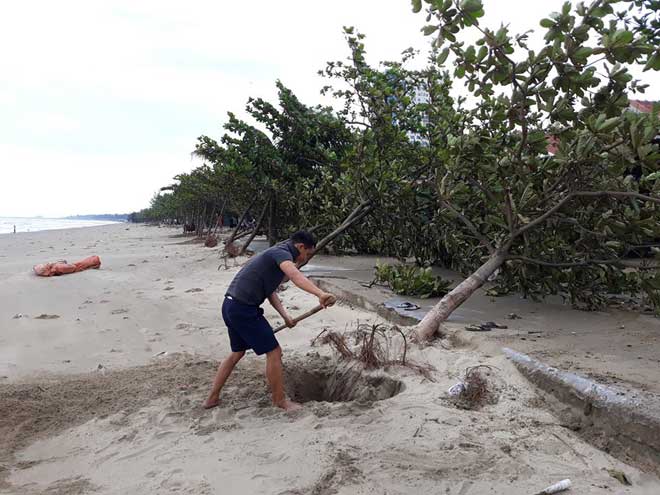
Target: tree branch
508,209
568,197
613,261
542,218
471,227
622,194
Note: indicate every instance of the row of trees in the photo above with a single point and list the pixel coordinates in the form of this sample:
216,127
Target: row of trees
476,189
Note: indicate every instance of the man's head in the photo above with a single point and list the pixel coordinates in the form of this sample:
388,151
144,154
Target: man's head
305,244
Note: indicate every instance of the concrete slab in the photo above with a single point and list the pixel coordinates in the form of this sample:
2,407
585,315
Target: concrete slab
622,422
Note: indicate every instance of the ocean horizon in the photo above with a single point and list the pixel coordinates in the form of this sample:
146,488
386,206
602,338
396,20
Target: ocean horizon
35,224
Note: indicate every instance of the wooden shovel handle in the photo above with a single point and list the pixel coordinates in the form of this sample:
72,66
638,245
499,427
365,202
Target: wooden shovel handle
309,313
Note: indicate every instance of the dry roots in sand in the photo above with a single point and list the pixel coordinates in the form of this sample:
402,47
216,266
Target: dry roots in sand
373,348
478,388
232,250
211,241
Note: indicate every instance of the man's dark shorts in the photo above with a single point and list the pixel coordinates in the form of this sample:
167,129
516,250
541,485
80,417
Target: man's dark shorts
248,329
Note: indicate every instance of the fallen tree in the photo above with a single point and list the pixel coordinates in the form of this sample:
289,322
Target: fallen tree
547,223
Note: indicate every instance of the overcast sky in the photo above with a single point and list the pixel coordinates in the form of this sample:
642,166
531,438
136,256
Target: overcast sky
101,102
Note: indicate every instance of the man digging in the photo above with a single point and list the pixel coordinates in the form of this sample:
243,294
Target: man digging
248,329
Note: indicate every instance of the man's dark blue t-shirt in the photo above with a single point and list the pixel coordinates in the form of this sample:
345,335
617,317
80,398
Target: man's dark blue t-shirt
261,276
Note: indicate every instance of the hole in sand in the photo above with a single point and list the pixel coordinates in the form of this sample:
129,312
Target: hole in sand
306,382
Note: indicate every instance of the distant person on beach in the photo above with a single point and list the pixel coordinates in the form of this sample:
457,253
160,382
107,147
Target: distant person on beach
257,281
14,229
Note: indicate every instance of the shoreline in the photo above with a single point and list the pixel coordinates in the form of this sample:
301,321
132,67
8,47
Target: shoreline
97,223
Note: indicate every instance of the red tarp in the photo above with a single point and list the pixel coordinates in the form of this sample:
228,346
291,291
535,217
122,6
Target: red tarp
62,267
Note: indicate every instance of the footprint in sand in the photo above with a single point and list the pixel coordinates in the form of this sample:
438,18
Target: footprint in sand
45,316
151,335
195,289
118,311
169,288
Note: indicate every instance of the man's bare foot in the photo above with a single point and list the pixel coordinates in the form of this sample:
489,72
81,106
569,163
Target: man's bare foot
211,403
289,405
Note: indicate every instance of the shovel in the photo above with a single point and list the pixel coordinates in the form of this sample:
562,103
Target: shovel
297,319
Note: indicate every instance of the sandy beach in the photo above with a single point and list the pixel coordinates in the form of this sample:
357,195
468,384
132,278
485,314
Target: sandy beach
102,374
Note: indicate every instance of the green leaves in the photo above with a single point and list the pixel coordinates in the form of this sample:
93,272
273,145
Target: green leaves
416,6
653,62
411,280
619,38
547,23
605,125
473,7
430,29
583,52
483,51
470,54
442,57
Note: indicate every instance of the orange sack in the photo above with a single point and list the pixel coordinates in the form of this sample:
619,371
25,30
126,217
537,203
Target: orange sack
62,267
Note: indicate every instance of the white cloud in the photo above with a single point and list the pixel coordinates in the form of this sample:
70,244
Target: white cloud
59,184
46,122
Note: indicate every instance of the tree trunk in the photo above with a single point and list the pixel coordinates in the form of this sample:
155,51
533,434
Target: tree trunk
256,228
215,207
240,222
201,222
272,228
356,215
429,326
220,217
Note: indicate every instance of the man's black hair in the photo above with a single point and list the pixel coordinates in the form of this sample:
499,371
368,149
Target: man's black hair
304,237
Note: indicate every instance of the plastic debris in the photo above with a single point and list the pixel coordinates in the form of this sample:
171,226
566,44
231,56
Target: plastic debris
456,390
556,488
407,306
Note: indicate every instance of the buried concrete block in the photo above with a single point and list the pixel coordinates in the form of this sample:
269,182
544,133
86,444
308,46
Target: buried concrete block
625,423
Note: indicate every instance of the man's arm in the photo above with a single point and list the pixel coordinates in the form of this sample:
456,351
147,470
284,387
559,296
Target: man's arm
292,273
276,303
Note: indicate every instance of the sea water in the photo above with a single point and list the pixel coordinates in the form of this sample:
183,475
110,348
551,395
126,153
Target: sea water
39,223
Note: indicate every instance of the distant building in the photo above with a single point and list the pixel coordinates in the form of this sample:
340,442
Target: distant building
643,106
420,97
